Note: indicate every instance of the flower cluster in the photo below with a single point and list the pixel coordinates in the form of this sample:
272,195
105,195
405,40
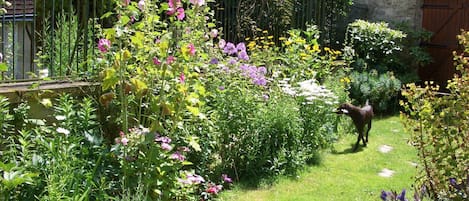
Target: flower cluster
230,49
175,7
257,74
310,90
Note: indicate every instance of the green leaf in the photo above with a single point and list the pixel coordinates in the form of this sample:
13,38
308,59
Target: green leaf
137,39
106,15
110,79
125,19
194,110
211,25
3,67
194,144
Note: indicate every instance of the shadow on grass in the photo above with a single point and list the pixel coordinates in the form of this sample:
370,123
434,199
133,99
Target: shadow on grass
348,150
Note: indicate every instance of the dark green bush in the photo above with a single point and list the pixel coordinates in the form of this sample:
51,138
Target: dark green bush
381,90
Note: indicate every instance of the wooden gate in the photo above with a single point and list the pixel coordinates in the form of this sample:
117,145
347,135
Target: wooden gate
445,18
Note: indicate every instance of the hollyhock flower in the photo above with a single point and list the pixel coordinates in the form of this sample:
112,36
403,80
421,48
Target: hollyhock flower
177,156
156,61
198,2
141,4
184,149
226,178
174,3
124,141
221,44
170,60
104,45
214,33
171,11
180,14
214,189
182,78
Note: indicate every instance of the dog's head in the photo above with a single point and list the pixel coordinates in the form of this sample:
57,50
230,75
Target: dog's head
343,109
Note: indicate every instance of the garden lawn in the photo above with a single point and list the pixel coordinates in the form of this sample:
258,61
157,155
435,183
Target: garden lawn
343,175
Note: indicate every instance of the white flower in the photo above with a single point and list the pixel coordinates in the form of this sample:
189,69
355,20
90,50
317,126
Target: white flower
60,117
43,73
63,131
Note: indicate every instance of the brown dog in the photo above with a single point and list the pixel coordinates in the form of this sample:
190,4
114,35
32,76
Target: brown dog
361,117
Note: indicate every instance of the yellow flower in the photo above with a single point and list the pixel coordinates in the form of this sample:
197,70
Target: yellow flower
300,41
316,48
265,31
327,49
270,37
337,52
247,38
303,54
288,42
265,47
282,38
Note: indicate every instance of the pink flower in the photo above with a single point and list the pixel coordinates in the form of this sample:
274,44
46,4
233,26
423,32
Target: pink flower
166,146
170,60
180,14
124,141
177,156
171,11
195,179
198,2
182,78
141,5
184,149
214,33
191,49
214,189
174,3
226,178
156,61
125,2
104,45
222,44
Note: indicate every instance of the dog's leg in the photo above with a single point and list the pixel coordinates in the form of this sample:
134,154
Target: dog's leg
360,136
368,130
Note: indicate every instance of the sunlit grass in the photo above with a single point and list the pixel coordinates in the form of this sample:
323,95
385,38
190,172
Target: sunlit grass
343,175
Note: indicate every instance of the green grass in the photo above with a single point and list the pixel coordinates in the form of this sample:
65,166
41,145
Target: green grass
344,175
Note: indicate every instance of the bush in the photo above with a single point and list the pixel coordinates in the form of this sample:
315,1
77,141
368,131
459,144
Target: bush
439,127
381,90
372,44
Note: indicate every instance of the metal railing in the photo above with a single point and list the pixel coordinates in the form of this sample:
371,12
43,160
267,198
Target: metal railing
54,38
57,38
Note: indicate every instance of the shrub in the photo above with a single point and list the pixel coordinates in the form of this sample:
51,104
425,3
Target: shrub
438,123
372,45
381,90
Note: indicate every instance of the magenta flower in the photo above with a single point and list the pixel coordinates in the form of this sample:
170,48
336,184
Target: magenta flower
104,45
182,78
226,178
124,141
191,49
170,60
177,156
214,189
141,5
180,14
174,3
156,61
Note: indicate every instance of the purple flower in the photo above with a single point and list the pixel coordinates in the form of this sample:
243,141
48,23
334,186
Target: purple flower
265,97
241,47
384,195
221,88
163,139
262,70
195,179
243,55
214,61
166,146
261,81
454,183
401,197
177,156
230,49
226,178
104,45
232,61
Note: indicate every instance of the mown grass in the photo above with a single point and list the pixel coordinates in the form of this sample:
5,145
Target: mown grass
343,175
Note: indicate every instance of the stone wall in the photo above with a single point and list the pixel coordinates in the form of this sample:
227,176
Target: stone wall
392,10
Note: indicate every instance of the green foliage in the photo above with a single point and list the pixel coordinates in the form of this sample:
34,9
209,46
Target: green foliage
438,123
381,90
373,44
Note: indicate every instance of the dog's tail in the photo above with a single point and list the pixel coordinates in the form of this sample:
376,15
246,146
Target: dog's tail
367,102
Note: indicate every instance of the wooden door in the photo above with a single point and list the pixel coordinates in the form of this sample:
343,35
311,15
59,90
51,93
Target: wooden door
445,18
